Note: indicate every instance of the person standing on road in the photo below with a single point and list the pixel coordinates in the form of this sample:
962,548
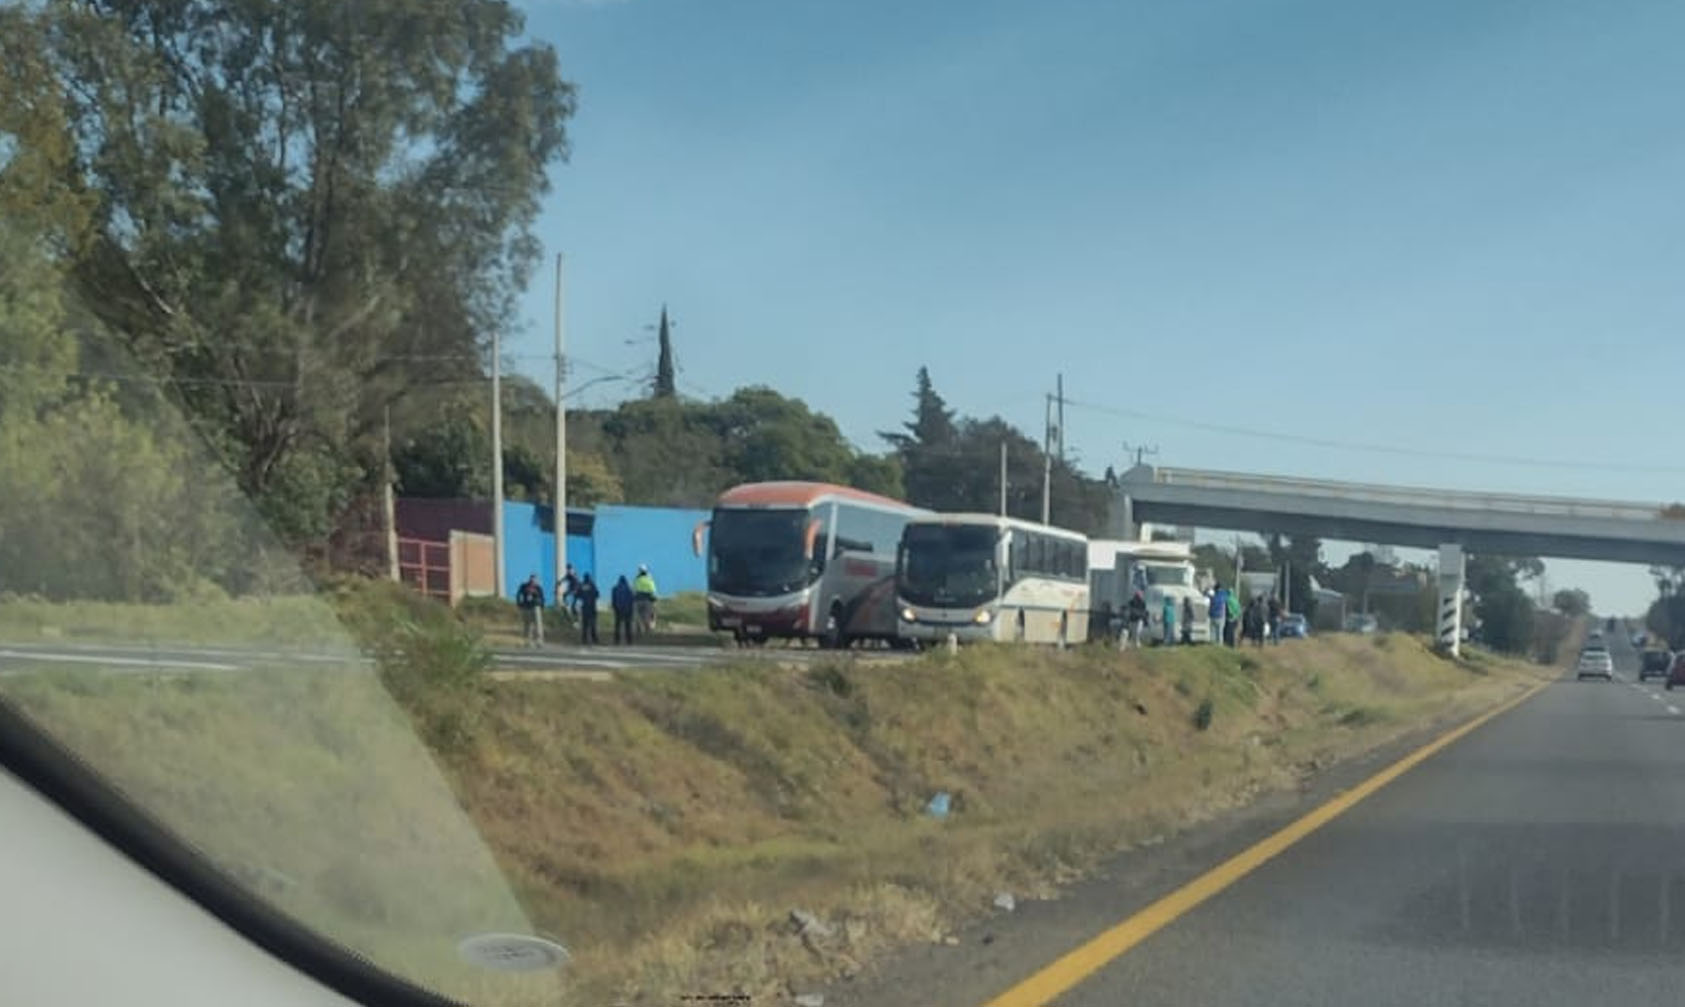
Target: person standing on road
1275,619
529,598
621,600
567,591
1231,622
1137,618
1187,620
1168,615
587,594
1219,614
643,592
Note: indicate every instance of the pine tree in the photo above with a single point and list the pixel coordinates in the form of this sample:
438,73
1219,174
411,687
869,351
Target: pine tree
666,384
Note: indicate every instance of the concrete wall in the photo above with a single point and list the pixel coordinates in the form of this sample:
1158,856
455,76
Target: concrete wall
529,545
625,537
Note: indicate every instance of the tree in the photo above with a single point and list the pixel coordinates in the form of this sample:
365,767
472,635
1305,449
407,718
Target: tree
1505,611
930,458
666,384
1301,556
305,209
1573,603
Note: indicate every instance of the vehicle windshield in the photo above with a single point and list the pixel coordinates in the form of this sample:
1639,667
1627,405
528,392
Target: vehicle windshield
948,566
759,553
1168,574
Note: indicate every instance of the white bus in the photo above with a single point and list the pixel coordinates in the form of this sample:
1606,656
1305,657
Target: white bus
1117,568
801,560
982,577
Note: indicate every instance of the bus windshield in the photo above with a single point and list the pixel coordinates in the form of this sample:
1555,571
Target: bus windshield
759,552
1168,574
948,566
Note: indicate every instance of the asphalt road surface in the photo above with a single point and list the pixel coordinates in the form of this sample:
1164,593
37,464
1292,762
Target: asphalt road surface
144,658
1540,860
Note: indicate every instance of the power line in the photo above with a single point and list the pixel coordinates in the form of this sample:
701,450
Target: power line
1371,447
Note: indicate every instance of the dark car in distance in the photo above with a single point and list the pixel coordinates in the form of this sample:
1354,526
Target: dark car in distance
1676,674
1654,664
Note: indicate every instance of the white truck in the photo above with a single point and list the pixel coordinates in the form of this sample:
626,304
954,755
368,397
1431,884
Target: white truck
1117,568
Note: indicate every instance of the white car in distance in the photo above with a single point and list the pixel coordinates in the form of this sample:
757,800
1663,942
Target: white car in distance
1596,664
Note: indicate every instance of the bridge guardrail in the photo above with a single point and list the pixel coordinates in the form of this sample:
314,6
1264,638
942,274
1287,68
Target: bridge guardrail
1410,496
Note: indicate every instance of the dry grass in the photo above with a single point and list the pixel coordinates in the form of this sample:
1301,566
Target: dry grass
663,825
669,823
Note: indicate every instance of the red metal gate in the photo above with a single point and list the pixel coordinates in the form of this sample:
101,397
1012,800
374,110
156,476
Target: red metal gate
426,566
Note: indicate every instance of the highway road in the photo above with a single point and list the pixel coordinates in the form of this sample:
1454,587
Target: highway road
1538,861
143,658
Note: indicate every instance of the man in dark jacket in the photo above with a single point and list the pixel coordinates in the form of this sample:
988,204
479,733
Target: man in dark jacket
529,598
623,601
1137,618
587,594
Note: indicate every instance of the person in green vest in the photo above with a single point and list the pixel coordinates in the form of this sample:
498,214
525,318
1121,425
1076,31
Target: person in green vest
643,591
1168,616
1231,625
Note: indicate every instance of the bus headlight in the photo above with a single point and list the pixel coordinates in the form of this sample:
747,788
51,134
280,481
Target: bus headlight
983,617
908,615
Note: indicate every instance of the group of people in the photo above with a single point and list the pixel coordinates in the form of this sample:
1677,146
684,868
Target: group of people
1131,626
1256,621
577,595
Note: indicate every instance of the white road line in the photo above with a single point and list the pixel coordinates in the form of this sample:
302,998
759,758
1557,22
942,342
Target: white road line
1673,709
127,661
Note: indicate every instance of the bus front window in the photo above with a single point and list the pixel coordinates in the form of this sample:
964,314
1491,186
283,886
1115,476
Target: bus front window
947,566
760,553
1168,574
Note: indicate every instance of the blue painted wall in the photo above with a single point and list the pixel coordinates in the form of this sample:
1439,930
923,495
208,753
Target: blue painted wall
625,537
529,545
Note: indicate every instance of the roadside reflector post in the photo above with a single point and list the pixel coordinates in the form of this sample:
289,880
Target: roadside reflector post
953,644
1451,599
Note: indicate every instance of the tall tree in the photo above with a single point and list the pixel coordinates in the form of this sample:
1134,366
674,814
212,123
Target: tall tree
666,380
1572,602
305,208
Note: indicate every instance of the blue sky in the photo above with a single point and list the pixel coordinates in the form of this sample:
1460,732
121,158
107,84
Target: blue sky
1451,227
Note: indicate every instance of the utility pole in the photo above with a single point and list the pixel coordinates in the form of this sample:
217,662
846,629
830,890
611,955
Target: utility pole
1003,478
389,506
1060,385
497,460
560,501
1047,464
1141,451
1239,564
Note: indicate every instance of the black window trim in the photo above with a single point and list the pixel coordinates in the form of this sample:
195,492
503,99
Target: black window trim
58,775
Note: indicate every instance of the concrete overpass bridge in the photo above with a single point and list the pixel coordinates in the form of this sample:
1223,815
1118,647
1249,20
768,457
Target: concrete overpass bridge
1451,521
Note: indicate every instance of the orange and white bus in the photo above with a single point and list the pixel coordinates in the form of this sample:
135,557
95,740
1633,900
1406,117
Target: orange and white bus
803,560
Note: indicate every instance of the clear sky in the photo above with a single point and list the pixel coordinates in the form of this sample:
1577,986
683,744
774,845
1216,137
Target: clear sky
1450,227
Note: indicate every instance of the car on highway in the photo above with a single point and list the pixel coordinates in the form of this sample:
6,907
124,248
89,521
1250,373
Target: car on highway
1654,664
1293,627
1640,639
1676,674
1596,664
1361,623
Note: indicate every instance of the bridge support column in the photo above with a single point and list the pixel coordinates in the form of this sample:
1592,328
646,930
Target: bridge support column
1451,599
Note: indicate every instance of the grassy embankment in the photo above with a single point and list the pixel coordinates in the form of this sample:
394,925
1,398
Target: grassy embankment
665,824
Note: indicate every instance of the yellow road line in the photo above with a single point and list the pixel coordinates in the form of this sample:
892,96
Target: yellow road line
1040,989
